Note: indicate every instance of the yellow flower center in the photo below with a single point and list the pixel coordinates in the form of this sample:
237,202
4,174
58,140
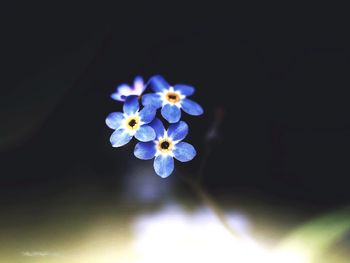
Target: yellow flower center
165,145
172,97
132,123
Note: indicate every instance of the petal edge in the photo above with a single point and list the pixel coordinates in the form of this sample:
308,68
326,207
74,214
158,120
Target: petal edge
171,113
131,105
145,133
145,150
120,138
163,165
191,107
178,131
184,152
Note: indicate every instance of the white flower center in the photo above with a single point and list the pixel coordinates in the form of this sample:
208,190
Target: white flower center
132,123
165,145
172,97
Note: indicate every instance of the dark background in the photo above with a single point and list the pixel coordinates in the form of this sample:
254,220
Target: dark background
280,77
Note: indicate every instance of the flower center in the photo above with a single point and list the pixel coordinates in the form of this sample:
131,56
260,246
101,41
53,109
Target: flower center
132,123
165,145
172,97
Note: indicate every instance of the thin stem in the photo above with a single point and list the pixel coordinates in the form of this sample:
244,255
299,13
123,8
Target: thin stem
195,183
210,138
211,204
202,165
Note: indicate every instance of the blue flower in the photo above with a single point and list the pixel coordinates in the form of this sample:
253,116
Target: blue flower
124,90
171,99
131,123
167,146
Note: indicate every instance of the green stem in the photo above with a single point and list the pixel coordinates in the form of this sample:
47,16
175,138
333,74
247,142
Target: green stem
211,204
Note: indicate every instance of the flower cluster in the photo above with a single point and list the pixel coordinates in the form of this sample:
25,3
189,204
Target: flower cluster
154,140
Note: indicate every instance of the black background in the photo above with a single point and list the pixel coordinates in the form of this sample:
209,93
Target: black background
280,77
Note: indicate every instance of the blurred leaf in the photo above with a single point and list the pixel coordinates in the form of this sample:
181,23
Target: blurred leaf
315,238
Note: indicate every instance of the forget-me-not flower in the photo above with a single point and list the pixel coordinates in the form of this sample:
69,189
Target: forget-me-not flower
171,99
131,123
124,90
166,146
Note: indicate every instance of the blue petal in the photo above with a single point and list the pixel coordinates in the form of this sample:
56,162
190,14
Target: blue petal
158,127
116,96
171,113
163,165
158,83
152,99
138,81
121,92
131,105
145,133
191,107
145,150
184,89
178,131
123,88
147,114
119,138
114,120
184,152
139,85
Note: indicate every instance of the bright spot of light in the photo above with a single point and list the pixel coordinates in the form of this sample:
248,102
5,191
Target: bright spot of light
174,235
290,256
170,235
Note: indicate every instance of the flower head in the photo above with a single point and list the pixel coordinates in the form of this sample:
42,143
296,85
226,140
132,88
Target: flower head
171,99
165,147
124,90
131,122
